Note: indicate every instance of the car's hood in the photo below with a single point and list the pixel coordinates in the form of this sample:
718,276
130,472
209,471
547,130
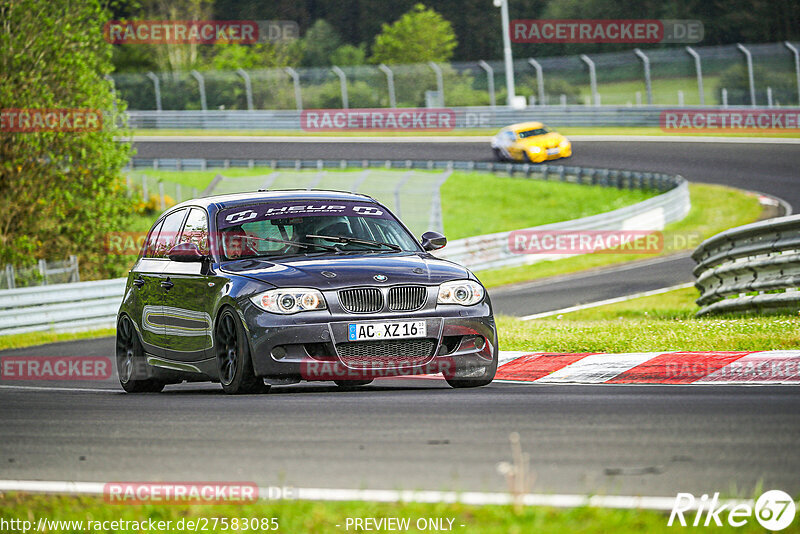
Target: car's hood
398,268
547,140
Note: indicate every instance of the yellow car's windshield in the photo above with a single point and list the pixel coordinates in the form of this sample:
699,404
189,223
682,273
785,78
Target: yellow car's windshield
536,131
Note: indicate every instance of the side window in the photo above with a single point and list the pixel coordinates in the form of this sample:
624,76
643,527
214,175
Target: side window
168,236
196,230
152,237
509,136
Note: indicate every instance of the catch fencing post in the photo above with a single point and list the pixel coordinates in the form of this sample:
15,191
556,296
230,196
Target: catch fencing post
749,58
298,98
647,81
539,79
248,87
156,88
699,69
490,80
390,82
201,85
343,84
592,78
439,82
796,55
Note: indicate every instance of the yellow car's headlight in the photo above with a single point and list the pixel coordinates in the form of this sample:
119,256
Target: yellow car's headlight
564,143
534,149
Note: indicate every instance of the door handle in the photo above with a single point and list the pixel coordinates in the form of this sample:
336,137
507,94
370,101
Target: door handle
166,284
138,282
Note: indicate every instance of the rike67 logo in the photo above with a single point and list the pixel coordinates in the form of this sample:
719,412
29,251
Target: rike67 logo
774,511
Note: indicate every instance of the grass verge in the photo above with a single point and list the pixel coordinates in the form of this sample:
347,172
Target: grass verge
323,517
714,208
483,132
662,322
30,339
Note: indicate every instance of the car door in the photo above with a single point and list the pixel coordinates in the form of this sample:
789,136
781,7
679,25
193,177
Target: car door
187,300
153,287
147,293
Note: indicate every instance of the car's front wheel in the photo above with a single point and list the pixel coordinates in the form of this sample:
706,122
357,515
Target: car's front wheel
131,366
233,357
481,379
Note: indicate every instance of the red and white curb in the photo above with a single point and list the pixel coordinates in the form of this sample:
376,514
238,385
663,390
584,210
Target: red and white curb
742,367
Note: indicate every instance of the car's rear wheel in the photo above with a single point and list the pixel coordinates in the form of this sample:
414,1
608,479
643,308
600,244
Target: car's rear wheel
131,366
498,155
351,383
233,357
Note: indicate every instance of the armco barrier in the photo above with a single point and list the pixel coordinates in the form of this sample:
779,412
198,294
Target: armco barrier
465,117
61,307
750,268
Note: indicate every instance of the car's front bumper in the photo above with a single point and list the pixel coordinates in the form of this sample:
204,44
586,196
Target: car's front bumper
311,345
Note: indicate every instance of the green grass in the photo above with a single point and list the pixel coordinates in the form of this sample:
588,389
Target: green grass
323,517
665,91
494,203
480,203
18,341
483,132
714,208
662,322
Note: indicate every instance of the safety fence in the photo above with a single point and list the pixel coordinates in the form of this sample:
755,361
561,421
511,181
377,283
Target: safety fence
44,273
751,268
752,74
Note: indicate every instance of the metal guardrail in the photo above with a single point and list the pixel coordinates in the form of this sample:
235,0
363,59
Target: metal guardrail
61,307
750,268
465,117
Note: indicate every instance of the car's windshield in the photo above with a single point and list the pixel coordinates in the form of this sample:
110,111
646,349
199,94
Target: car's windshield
287,228
536,131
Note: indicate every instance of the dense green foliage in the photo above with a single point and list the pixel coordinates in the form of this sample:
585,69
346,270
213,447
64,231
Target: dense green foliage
60,192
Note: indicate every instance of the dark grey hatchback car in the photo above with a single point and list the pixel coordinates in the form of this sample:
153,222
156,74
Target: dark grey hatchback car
256,289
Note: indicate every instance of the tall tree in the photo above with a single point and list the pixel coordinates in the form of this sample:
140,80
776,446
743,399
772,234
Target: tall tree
60,191
420,35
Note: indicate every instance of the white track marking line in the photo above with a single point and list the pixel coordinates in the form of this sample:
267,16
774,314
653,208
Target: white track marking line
335,494
45,388
605,302
598,368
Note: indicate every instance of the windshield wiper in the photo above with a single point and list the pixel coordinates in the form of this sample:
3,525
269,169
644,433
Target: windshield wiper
345,239
295,243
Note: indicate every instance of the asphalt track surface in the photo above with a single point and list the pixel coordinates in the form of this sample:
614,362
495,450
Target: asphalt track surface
767,168
419,433
405,434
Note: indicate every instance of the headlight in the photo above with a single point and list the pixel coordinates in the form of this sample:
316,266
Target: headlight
564,143
288,301
464,292
535,149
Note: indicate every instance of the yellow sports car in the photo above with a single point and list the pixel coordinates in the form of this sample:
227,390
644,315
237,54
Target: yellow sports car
531,142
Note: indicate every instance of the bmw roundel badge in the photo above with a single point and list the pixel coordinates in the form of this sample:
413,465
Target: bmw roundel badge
380,278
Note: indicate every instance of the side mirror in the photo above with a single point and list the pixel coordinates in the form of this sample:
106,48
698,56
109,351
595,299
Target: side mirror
433,241
186,253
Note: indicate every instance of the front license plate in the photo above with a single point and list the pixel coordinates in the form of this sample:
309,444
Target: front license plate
397,330
552,151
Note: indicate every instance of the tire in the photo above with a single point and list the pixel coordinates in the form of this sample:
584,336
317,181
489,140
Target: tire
233,357
131,365
526,157
475,382
351,383
498,155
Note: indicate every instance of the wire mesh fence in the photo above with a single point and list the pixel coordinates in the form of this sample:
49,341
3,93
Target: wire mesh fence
620,80
43,273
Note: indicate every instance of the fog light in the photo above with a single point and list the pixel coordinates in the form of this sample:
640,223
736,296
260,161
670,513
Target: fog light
279,353
480,343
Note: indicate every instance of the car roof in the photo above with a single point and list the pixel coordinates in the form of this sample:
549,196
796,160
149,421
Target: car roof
237,199
525,126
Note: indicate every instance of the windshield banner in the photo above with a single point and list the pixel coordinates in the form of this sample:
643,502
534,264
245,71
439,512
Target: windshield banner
303,208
